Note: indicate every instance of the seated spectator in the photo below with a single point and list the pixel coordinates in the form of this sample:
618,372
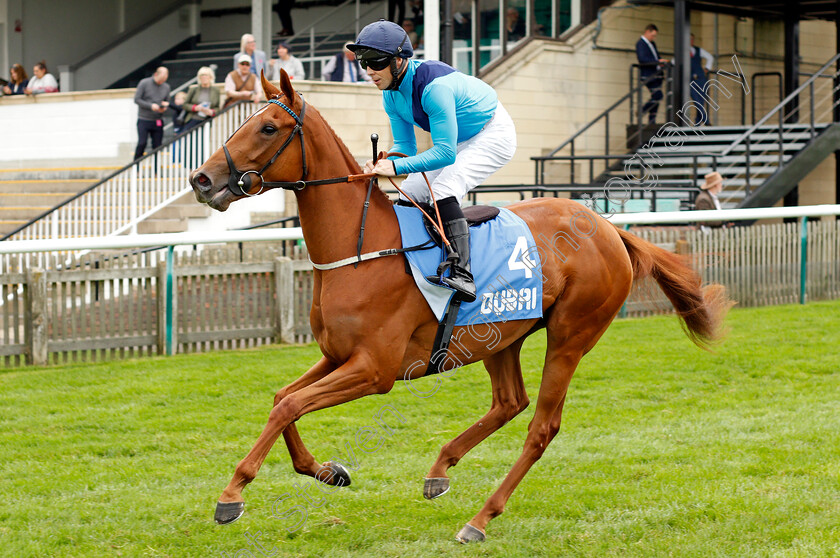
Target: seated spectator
17,83
241,84
248,45
286,61
42,82
408,25
344,67
203,100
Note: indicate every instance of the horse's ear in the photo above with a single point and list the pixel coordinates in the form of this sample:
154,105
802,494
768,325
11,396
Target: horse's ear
286,87
270,91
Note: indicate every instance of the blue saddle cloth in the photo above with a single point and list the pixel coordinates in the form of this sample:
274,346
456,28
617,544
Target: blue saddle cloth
505,265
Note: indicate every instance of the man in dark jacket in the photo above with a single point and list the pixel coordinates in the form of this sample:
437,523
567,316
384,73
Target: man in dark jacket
650,70
344,67
151,99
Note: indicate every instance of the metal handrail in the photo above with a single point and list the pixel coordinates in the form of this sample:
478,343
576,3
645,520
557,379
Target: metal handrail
781,105
752,84
154,153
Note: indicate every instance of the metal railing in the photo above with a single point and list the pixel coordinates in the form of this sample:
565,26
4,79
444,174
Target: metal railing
116,204
635,89
766,147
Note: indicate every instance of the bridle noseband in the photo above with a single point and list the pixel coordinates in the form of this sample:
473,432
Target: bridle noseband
240,182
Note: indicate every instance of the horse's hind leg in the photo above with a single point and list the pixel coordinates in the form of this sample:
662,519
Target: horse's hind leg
557,374
509,399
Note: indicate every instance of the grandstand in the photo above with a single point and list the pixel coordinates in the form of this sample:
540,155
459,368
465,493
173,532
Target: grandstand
569,85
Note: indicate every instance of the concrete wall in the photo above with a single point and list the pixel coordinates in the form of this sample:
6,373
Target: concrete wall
55,129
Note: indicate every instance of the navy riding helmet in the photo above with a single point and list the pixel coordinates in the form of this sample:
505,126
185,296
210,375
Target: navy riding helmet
379,44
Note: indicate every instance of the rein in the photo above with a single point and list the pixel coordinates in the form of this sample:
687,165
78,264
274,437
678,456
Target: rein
240,183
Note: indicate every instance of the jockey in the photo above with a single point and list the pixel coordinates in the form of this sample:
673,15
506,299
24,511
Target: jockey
472,134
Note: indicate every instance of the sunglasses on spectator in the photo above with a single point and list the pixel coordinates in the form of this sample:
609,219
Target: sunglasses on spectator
245,63
376,63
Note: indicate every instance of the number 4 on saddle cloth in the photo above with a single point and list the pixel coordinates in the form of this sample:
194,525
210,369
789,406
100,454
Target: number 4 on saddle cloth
505,266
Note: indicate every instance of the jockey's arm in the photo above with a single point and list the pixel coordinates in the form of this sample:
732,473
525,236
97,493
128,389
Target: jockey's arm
439,104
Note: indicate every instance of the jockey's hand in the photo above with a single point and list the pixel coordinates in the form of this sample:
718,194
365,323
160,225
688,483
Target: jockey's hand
383,167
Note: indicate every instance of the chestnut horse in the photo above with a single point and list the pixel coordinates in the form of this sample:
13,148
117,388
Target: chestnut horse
371,321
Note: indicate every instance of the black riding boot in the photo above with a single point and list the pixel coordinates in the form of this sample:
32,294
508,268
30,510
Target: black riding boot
460,278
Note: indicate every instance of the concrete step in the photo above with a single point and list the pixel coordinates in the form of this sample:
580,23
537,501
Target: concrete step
61,173
32,187
194,210
155,226
8,199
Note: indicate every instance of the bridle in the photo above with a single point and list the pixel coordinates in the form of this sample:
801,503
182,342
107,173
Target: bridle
240,182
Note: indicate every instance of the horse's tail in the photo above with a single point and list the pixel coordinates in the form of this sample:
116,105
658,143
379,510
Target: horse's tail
701,309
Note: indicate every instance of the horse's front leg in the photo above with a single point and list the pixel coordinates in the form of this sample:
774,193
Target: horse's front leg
361,375
302,460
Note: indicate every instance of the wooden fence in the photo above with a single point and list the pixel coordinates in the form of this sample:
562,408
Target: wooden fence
100,306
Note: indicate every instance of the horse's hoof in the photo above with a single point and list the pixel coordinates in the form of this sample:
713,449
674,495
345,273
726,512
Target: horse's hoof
434,487
469,534
228,512
339,475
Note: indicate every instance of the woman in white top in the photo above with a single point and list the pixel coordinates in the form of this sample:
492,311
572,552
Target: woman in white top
42,82
287,62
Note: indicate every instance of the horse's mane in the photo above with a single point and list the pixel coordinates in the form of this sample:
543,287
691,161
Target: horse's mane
347,154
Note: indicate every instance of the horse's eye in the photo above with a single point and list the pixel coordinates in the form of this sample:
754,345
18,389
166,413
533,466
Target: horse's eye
268,129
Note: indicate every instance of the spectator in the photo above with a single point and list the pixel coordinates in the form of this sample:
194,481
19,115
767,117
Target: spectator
287,62
408,25
203,100
248,46
514,25
708,198
241,84
396,10
699,78
151,98
650,69
43,82
17,82
179,114
344,67
417,13
284,12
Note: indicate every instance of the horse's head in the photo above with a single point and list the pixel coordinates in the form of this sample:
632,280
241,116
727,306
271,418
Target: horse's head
265,148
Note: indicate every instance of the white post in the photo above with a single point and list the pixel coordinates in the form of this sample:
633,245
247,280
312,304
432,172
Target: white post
133,211
431,29
576,14
65,78
261,25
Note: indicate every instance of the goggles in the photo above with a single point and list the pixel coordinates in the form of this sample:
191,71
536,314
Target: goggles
376,61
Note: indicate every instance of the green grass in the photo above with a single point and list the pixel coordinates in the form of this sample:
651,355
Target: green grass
665,450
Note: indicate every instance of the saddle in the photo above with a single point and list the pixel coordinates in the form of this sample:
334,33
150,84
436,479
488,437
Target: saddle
475,215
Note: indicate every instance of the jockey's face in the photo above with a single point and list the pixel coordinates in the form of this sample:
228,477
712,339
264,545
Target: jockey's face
383,78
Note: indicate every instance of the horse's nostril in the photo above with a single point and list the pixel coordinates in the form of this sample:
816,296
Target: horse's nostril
202,181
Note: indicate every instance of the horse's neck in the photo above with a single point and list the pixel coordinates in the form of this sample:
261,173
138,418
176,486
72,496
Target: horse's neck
331,214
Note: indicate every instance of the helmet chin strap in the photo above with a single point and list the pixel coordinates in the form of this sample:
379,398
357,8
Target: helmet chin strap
396,75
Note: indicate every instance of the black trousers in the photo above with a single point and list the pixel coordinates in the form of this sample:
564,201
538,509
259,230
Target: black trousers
652,106
147,128
396,11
